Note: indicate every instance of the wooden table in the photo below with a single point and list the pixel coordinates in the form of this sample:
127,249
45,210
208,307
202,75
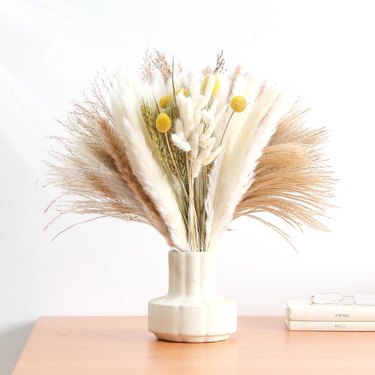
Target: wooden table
122,345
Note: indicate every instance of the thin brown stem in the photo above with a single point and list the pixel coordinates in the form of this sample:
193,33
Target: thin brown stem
226,127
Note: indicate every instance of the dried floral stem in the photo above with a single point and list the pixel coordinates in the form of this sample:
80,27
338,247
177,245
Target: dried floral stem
226,127
220,63
175,165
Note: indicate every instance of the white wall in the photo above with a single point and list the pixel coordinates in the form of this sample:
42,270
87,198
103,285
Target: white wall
50,49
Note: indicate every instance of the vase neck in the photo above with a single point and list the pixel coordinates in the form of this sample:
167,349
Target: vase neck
192,273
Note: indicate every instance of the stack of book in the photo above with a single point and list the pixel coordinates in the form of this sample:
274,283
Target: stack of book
305,316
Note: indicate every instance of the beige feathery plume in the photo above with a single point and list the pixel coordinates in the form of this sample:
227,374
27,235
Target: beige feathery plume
117,150
95,167
142,157
147,68
239,162
162,65
292,180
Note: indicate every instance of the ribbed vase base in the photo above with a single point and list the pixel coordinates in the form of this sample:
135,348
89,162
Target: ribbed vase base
192,311
206,321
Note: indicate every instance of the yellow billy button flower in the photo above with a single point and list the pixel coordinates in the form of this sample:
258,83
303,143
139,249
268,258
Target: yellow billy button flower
163,123
216,86
238,103
164,101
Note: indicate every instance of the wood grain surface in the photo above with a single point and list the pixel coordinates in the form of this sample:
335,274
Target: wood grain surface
122,345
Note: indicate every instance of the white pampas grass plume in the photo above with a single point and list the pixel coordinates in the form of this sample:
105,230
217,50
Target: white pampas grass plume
251,86
239,164
149,172
213,179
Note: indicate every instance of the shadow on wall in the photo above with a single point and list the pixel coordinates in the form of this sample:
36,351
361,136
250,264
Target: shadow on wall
12,341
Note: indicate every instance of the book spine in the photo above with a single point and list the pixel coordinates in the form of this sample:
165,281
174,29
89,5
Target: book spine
295,325
332,313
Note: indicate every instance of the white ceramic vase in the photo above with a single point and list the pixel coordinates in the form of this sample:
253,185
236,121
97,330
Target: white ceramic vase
192,311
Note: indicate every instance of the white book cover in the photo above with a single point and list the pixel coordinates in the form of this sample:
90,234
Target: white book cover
298,325
306,311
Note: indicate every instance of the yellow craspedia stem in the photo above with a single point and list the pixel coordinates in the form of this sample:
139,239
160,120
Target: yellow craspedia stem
164,101
216,86
238,103
163,123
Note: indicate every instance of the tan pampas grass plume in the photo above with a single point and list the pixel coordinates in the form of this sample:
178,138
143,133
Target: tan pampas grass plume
291,179
95,167
188,153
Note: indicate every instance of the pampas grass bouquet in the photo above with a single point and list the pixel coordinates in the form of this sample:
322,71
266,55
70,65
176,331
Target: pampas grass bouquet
188,152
